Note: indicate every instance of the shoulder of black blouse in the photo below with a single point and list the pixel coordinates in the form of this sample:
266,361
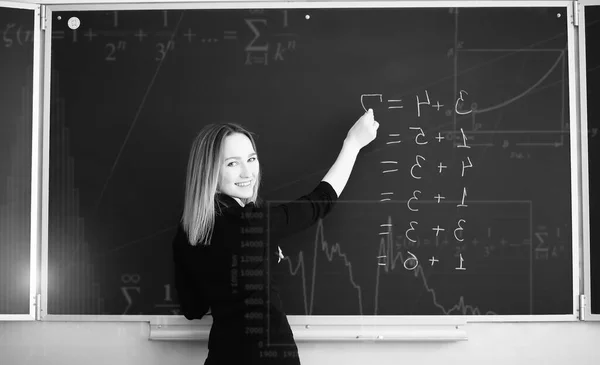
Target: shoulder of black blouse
226,205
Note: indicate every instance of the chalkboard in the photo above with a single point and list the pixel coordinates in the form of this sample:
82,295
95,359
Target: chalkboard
16,57
470,174
592,37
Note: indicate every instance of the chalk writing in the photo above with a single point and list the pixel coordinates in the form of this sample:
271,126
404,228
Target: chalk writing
418,169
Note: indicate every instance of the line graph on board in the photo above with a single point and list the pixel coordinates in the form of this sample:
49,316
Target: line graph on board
298,266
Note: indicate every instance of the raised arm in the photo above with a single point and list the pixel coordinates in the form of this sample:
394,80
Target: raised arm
361,134
301,213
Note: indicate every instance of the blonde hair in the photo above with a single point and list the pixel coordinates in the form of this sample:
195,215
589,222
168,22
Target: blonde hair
202,180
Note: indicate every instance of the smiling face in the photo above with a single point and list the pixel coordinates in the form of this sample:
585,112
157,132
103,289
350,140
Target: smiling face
239,167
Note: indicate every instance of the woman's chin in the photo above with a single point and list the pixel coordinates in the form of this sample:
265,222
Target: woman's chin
242,194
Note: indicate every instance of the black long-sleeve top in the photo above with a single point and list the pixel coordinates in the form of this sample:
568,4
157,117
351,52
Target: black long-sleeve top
231,277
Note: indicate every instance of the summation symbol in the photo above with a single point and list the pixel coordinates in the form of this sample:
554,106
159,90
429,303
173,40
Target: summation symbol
270,41
127,290
131,289
259,50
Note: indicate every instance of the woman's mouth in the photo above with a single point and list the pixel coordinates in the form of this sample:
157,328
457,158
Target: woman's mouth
244,184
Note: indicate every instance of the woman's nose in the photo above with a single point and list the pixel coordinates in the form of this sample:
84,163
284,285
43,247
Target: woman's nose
245,172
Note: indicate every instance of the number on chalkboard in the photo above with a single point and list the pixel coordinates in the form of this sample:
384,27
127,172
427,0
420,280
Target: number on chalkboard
421,134
460,267
412,173
459,230
163,48
459,103
410,229
419,103
415,198
414,259
464,145
462,174
462,202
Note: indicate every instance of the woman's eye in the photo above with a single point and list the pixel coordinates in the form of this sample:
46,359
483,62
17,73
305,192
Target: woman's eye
252,159
232,163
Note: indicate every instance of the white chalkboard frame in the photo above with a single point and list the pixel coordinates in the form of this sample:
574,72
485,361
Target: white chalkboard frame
34,272
587,280
300,323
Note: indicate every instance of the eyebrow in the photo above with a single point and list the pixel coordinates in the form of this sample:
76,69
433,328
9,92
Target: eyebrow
239,158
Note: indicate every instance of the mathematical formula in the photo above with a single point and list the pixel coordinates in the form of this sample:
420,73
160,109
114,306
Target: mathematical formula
389,168
270,42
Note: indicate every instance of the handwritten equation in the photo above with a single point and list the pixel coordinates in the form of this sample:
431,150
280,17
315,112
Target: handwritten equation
541,248
519,144
545,243
270,40
544,248
420,102
412,262
390,167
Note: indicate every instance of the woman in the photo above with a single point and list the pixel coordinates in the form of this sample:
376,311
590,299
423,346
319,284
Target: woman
226,241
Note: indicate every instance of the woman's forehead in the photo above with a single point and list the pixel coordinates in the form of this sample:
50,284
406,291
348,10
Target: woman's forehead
237,145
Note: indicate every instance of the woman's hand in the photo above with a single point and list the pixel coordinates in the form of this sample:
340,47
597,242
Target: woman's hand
361,134
363,131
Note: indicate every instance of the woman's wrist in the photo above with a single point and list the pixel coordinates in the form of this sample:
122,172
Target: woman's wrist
351,145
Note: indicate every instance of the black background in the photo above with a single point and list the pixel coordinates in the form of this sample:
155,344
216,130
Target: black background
16,75
592,37
126,106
